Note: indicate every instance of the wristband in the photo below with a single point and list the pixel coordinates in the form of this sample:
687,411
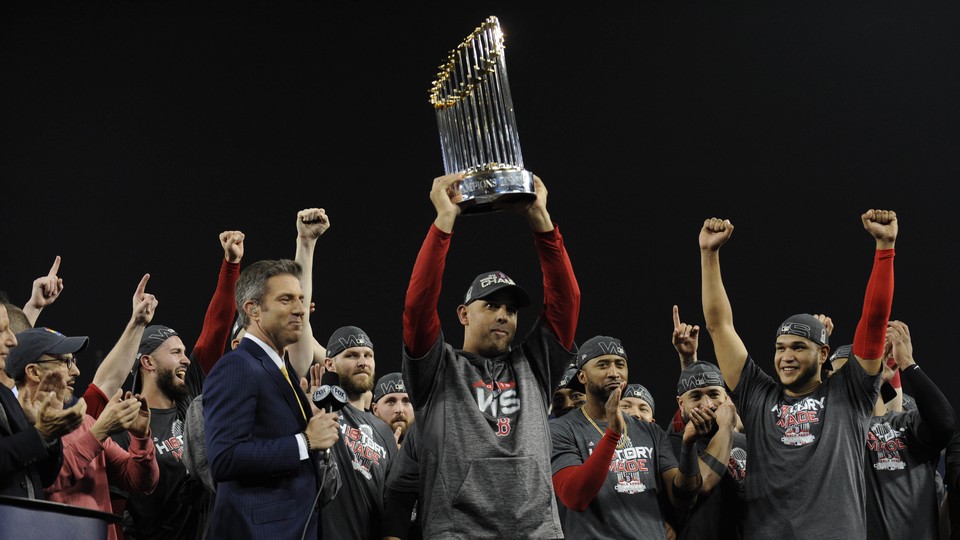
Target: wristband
714,464
688,461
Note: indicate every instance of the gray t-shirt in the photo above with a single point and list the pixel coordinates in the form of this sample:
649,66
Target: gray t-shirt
806,455
363,454
484,442
901,482
628,503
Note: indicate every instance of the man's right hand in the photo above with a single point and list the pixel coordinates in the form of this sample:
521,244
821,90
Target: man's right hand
445,197
46,289
685,339
323,430
118,415
883,226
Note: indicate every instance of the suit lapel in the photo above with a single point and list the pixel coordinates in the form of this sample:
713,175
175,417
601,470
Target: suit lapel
290,395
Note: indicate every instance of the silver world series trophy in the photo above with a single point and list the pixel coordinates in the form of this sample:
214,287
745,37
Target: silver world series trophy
478,131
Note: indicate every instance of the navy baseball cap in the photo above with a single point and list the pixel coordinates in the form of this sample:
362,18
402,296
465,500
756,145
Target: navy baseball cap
36,342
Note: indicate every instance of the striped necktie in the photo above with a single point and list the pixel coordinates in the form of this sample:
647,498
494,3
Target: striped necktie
286,376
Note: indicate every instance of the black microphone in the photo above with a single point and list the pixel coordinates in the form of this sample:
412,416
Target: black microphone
330,396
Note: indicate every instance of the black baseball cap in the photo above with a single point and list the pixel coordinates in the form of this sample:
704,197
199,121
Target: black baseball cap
806,326
488,283
391,383
347,337
153,337
640,391
569,379
599,346
699,375
843,351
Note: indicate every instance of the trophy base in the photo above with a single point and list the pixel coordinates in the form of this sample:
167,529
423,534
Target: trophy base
481,189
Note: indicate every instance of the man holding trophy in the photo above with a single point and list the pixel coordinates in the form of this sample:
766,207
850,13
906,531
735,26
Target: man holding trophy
484,440
482,409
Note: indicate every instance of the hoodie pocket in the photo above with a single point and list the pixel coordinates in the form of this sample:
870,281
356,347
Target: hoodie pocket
502,495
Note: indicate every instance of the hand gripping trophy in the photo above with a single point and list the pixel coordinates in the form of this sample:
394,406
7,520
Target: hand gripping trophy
478,131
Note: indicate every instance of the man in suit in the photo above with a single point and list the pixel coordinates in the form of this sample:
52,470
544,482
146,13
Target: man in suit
262,436
31,453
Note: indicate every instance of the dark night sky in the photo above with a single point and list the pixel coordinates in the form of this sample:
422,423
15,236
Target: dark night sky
128,130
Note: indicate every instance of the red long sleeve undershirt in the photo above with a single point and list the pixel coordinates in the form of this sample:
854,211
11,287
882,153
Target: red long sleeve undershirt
561,293
872,327
218,320
678,423
578,485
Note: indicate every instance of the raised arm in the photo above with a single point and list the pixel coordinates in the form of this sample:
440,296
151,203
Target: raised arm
872,327
311,224
561,293
46,289
717,313
686,340
114,369
937,417
421,324
220,312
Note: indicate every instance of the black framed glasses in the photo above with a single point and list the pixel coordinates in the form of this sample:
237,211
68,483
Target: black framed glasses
69,362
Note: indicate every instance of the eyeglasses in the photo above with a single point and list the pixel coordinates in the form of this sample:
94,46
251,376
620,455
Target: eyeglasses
69,362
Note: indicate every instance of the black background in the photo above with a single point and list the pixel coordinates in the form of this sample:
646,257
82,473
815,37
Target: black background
133,133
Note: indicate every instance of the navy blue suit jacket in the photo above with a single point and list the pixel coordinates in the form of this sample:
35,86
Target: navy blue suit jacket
24,457
251,417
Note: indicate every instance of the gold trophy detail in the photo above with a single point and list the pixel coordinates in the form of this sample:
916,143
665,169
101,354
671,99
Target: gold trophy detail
478,129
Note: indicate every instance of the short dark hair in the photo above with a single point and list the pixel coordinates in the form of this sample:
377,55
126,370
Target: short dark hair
252,284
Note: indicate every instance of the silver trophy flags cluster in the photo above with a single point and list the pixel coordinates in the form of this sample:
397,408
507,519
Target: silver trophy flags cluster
478,130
